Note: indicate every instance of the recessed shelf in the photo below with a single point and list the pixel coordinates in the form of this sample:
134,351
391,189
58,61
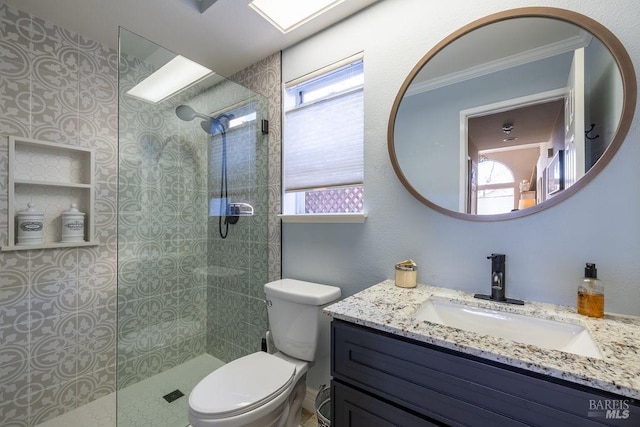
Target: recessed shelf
51,184
51,176
52,245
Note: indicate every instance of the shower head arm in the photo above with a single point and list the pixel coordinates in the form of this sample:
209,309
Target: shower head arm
186,113
221,122
215,125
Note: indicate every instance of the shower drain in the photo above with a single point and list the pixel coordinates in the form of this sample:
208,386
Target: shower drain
174,395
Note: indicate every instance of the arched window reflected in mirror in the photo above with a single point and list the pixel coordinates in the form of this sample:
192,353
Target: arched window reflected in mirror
496,187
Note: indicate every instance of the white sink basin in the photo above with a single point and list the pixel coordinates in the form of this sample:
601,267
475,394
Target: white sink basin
548,334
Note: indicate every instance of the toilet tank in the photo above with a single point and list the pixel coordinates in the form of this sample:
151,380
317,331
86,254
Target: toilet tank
294,308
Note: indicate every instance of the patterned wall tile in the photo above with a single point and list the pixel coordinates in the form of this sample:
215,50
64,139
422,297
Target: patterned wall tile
54,299
127,373
96,329
54,90
106,194
13,14
14,303
47,74
162,240
53,368
49,29
73,101
15,83
49,403
96,261
15,342
16,87
96,292
235,278
14,413
95,385
48,164
54,333
14,380
132,344
49,265
15,269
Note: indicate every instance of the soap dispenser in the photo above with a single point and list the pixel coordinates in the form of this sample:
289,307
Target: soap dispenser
591,293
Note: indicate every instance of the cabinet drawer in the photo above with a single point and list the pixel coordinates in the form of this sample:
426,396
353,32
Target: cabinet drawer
353,408
459,389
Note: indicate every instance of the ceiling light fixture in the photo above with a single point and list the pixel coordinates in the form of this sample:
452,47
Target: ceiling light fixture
173,76
287,15
507,128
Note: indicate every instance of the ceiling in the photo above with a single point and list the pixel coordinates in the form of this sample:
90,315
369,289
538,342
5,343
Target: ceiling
227,37
532,124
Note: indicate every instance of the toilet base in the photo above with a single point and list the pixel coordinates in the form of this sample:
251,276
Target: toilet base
295,403
288,414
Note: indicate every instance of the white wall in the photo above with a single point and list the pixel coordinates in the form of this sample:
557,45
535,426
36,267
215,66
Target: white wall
546,252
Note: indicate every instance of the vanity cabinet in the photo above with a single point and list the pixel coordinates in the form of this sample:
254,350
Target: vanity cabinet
380,379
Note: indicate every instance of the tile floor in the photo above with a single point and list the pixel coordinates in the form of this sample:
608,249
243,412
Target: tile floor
308,419
142,405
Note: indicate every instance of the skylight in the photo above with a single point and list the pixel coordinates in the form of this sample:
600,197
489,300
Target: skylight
287,15
173,76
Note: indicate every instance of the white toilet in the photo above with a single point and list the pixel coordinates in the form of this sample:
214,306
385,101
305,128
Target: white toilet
264,389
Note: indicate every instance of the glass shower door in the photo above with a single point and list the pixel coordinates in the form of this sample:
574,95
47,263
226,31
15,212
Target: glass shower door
189,299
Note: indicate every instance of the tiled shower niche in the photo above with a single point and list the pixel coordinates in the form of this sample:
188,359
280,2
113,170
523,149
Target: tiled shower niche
51,177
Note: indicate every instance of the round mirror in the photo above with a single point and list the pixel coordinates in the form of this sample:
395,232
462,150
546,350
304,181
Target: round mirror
512,113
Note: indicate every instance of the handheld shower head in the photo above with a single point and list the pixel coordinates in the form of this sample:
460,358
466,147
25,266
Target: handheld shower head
212,125
186,113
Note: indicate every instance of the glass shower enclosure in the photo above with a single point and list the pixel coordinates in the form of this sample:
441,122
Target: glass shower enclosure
192,235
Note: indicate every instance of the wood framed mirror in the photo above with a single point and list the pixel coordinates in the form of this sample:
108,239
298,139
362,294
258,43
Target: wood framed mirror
512,114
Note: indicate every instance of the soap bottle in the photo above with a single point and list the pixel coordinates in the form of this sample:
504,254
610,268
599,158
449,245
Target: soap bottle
591,293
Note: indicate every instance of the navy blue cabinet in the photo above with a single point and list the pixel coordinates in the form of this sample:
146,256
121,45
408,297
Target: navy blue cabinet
358,409
387,380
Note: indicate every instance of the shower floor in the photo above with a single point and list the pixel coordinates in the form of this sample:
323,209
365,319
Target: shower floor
141,404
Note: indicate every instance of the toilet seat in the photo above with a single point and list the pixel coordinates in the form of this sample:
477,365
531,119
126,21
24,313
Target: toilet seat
242,386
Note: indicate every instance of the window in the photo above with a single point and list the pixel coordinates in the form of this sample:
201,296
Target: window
323,140
495,188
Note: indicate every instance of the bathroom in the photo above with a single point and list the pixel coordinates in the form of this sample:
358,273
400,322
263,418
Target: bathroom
546,251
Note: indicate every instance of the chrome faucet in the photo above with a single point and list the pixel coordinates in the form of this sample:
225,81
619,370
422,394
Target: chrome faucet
498,281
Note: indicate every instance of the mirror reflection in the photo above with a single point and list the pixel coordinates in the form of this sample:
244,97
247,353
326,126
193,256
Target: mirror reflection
508,116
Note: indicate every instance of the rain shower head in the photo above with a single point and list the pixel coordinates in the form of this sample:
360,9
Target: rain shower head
209,124
186,113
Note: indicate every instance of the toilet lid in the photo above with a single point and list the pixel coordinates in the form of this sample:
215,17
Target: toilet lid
242,385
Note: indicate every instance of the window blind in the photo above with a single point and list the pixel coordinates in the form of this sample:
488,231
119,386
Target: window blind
323,143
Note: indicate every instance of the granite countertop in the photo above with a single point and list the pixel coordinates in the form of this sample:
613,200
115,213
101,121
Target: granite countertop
389,308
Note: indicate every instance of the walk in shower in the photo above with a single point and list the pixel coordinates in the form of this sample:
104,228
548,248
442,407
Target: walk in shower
192,234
